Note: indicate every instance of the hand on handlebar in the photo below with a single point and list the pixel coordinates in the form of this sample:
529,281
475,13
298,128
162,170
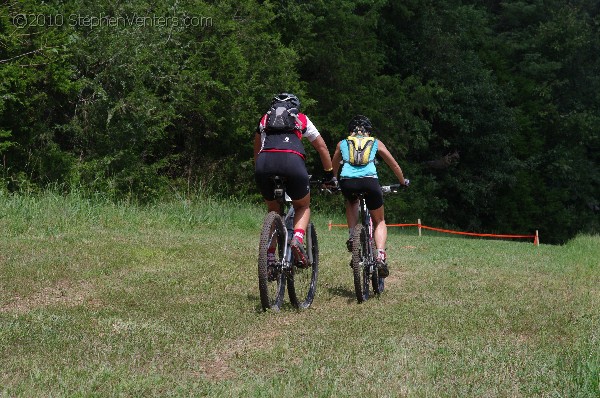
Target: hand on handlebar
394,187
330,185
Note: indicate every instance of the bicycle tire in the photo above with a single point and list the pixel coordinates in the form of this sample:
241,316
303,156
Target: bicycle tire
359,256
377,282
271,278
302,285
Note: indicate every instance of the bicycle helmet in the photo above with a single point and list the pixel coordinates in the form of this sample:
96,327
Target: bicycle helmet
360,122
287,97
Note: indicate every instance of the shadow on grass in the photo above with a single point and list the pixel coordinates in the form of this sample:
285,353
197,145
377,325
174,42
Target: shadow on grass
343,291
285,306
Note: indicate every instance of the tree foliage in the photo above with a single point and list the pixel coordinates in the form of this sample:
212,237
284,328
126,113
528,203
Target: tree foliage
136,99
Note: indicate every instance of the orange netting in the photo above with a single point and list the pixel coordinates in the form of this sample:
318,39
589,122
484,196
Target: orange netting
447,231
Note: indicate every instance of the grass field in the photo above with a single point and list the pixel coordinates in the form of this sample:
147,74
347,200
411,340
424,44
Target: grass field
100,299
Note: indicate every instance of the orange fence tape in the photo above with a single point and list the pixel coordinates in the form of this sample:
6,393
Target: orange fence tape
536,239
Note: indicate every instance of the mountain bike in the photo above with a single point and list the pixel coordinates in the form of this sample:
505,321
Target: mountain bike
279,269
363,263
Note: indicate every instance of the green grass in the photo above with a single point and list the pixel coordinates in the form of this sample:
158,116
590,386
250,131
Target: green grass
101,299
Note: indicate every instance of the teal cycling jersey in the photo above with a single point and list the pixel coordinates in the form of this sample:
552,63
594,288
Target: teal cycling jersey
351,171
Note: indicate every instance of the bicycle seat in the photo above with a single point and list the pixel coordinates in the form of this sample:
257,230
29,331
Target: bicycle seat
279,190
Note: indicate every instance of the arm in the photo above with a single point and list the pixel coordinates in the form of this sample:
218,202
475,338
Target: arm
257,145
391,162
321,148
258,136
314,137
337,159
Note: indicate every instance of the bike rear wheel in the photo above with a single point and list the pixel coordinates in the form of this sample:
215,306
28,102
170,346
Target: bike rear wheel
359,259
302,284
271,278
377,282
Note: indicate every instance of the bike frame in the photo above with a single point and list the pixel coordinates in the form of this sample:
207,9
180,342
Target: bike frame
364,217
368,261
286,210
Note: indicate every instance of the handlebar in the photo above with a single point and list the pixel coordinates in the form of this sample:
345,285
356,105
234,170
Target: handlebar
394,188
322,187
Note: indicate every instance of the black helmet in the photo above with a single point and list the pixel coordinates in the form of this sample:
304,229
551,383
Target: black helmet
360,122
287,97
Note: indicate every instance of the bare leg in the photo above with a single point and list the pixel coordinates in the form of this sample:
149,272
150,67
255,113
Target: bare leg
301,218
351,214
301,212
272,205
380,239
380,233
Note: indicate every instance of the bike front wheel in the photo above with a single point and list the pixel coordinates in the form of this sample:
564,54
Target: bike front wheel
360,257
302,283
271,278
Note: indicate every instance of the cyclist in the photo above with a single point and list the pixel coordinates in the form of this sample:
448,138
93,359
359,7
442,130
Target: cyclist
359,174
279,151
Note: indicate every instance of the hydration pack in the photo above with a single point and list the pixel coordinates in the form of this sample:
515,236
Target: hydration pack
283,116
359,150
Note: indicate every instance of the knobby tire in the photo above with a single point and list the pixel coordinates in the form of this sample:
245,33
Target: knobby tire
271,279
359,256
302,284
378,282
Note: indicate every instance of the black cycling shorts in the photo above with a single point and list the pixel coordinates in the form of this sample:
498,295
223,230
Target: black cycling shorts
367,185
288,165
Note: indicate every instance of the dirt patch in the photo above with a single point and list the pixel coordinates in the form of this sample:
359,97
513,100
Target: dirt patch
63,293
218,367
397,277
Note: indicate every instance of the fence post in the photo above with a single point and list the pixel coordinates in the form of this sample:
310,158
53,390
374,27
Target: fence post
419,224
536,240
329,225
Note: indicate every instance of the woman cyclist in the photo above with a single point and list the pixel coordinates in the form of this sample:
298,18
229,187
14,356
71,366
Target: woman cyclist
278,150
359,174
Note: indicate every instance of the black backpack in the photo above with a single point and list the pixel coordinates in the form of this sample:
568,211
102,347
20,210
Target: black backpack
282,116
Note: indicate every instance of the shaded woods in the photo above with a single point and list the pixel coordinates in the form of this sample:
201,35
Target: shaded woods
492,108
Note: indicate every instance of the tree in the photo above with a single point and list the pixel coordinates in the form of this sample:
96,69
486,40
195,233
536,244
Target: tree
35,91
